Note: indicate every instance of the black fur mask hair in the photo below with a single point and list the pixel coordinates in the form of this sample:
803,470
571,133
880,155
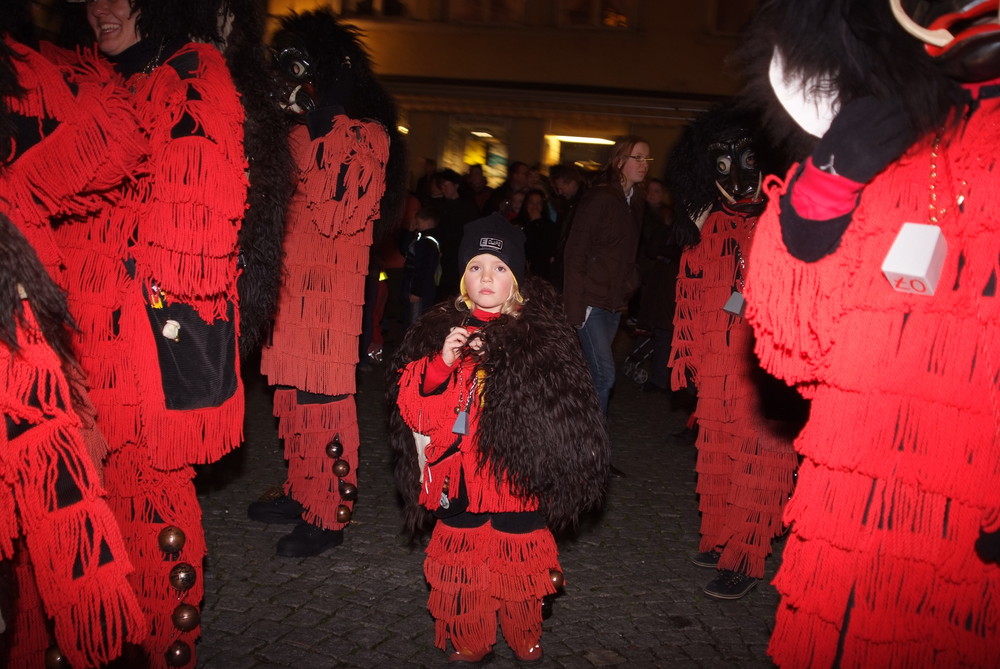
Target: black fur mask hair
858,44
329,42
271,173
690,174
186,20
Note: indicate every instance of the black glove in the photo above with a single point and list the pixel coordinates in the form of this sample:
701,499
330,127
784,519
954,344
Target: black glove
864,138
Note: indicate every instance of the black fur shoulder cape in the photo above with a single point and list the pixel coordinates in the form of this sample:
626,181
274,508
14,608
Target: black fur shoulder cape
541,424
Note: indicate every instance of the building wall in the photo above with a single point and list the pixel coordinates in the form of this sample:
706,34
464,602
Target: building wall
670,64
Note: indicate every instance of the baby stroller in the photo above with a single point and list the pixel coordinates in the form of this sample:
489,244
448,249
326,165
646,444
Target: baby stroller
635,365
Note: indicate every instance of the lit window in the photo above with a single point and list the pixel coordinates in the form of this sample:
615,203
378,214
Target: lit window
617,14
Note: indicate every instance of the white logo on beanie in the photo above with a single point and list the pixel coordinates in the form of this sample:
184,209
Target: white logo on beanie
490,244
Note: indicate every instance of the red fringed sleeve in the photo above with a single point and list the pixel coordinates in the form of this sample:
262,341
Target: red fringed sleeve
75,548
901,455
71,171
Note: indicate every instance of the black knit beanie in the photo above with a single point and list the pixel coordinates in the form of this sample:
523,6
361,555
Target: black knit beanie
496,235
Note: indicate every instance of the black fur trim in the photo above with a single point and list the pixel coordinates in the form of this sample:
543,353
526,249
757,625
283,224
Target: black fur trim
856,42
271,174
541,425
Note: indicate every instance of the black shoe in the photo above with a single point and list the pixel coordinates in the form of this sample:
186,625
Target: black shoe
307,540
709,559
730,585
282,509
617,473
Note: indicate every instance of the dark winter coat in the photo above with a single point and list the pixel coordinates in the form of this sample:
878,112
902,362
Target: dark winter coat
540,427
600,259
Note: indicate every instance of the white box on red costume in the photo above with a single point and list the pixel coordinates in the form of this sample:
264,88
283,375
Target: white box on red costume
914,263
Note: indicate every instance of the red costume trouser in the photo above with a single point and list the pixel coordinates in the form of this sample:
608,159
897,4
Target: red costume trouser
744,481
145,500
306,430
480,574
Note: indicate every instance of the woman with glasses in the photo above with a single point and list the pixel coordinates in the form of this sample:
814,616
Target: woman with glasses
600,271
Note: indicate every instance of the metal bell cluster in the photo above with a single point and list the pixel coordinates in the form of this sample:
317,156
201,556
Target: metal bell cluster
183,576
347,490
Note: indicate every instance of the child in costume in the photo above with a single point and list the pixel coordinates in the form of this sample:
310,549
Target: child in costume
499,435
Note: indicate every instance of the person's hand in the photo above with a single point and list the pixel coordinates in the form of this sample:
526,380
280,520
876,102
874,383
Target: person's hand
453,345
867,134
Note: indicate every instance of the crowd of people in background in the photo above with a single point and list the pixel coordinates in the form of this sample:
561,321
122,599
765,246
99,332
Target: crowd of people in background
542,202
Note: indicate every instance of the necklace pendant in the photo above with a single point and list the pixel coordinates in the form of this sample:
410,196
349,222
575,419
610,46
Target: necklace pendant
735,305
461,425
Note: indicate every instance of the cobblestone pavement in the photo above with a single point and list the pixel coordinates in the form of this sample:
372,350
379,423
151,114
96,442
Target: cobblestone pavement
632,598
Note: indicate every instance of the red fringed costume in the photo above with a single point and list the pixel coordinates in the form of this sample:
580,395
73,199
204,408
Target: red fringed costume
901,453
314,346
745,469
491,554
86,145
171,242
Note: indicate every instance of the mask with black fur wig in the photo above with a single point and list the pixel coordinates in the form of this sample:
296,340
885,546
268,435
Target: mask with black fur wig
21,268
321,63
716,162
540,426
844,50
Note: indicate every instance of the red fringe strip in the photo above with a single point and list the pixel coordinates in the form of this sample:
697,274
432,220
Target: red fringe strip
144,501
306,430
480,573
27,636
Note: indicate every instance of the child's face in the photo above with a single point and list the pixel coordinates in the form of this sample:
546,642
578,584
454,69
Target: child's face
489,282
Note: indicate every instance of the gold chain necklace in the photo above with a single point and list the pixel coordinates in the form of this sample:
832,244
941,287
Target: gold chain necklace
936,207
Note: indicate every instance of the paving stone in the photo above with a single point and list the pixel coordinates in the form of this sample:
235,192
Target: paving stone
632,599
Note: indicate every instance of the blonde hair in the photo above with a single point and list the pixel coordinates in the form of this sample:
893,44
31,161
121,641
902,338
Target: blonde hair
510,307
